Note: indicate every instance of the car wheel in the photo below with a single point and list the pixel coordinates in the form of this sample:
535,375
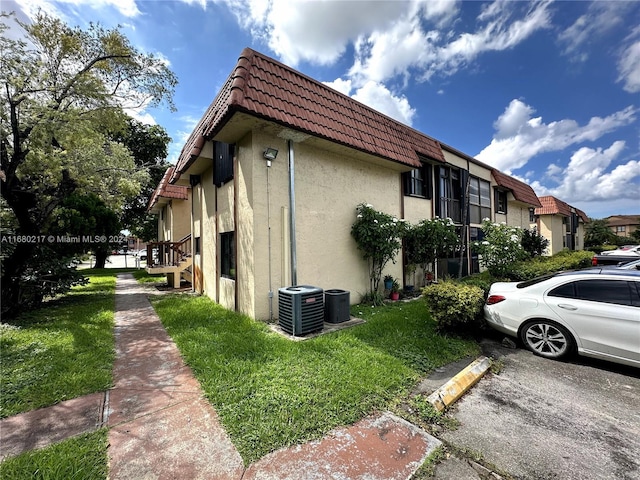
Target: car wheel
547,339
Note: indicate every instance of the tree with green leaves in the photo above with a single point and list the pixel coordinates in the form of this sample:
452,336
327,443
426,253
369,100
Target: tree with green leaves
378,236
149,146
63,95
429,240
533,243
597,233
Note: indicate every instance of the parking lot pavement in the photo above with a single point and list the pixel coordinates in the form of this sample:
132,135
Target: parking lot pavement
116,261
542,419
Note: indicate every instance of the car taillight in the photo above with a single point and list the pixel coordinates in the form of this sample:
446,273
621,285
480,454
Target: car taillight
493,299
594,262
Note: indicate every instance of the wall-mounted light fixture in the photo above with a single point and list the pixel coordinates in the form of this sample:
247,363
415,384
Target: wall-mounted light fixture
270,154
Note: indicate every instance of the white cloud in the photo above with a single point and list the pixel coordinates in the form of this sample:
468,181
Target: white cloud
390,39
316,31
500,32
520,136
180,136
589,178
385,54
141,116
127,8
379,97
343,86
629,68
600,18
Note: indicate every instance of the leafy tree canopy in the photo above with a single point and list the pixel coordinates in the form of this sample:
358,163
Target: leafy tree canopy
597,233
63,94
148,144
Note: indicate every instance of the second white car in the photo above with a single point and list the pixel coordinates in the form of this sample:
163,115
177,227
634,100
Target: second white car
593,312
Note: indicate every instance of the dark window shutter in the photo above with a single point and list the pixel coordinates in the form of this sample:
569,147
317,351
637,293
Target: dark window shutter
427,173
223,169
438,190
406,182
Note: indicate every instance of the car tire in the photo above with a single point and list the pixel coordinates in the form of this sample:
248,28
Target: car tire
547,339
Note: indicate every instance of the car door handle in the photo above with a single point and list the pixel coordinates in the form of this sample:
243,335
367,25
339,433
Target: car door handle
567,307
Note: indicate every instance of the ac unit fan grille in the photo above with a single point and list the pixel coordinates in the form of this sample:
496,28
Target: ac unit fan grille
301,309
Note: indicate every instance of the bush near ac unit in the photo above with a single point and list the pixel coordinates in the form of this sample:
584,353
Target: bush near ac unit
454,305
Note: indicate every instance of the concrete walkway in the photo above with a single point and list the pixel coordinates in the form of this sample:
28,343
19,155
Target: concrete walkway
161,427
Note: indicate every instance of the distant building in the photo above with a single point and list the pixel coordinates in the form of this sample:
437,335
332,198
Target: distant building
623,225
561,224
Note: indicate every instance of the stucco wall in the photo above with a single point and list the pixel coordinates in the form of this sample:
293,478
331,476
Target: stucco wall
180,218
244,231
196,231
209,239
552,229
328,187
417,209
329,184
518,214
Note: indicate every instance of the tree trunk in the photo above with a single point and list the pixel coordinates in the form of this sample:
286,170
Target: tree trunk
101,258
12,291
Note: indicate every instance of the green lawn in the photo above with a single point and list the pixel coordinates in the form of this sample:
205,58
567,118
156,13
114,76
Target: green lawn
271,392
61,351
80,458
143,277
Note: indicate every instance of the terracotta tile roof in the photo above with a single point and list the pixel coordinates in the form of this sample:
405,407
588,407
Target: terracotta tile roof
554,206
521,191
166,190
582,215
265,88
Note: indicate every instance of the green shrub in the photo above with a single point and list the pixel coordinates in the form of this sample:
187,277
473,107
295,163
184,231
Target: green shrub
453,304
481,280
565,260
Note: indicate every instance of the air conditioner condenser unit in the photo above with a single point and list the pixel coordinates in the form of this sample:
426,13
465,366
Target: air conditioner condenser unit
301,309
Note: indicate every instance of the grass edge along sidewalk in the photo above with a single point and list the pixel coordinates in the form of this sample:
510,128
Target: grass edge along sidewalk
389,339
272,393
61,351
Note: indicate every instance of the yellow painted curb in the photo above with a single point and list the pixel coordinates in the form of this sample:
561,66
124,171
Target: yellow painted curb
458,385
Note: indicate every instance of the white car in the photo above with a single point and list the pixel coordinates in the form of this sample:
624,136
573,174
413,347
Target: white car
632,265
594,312
630,250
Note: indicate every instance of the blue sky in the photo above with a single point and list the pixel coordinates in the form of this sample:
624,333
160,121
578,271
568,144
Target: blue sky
546,91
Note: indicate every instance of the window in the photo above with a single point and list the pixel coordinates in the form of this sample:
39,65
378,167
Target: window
621,228
227,255
597,290
479,200
501,201
418,182
223,168
449,194
532,215
196,246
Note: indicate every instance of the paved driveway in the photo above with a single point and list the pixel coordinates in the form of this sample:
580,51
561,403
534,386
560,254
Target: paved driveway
540,419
